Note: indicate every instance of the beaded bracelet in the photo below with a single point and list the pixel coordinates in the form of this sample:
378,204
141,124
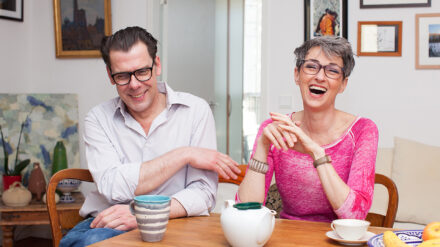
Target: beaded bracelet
258,166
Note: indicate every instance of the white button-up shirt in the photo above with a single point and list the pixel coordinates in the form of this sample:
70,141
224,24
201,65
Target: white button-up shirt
116,145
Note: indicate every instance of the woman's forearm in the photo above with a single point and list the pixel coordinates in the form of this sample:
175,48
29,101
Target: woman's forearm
334,187
252,188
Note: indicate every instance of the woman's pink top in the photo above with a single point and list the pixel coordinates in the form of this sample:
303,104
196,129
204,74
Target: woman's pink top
353,157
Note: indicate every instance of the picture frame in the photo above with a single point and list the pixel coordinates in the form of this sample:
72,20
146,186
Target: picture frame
379,38
365,4
80,26
428,41
11,10
325,17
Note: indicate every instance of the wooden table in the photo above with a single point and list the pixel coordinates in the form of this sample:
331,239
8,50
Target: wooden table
207,231
33,214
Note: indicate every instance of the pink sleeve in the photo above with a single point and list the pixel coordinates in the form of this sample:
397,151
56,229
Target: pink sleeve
362,172
270,162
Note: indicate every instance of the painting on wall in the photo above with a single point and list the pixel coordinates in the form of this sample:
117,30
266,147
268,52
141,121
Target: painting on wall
428,41
46,119
365,4
80,26
325,17
11,9
379,38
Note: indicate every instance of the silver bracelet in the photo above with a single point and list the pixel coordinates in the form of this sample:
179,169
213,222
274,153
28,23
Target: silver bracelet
258,166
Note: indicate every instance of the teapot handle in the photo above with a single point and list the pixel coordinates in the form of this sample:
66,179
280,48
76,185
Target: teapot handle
14,184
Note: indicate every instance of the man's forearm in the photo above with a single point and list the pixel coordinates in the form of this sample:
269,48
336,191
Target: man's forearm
155,172
177,210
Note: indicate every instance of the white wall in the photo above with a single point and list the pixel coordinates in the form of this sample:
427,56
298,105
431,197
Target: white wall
28,63
401,100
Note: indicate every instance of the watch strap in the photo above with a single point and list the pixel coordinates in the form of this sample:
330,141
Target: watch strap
323,160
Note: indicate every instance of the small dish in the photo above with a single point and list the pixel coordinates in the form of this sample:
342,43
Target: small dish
333,235
67,186
410,237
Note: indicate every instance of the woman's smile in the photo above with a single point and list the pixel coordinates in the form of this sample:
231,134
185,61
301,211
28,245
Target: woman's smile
317,90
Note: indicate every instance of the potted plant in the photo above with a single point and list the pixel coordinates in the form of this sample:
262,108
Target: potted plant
14,174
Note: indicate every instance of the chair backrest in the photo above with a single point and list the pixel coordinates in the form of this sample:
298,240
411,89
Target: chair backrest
62,220
393,201
239,178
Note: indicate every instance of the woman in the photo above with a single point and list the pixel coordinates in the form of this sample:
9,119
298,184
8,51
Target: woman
323,158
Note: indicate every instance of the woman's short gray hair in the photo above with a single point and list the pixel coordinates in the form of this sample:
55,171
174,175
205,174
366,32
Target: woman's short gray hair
331,46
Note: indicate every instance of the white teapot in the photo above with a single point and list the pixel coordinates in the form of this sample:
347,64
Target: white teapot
247,224
17,195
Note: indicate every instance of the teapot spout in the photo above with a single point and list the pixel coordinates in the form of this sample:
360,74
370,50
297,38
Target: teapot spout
229,203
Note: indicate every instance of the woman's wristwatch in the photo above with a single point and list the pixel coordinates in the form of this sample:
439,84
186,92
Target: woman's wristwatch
323,160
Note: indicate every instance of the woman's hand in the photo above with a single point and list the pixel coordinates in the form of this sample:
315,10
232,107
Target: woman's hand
303,143
280,138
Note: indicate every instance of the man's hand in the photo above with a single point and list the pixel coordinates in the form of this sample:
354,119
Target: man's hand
117,217
209,159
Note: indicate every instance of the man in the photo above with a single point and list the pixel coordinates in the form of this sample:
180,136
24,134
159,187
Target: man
149,140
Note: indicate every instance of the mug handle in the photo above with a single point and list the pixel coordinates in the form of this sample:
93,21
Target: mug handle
333,228
131,207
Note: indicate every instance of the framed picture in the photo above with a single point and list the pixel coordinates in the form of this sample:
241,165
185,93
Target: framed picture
11,9
379,38
365,4
325,17
428,41
80,26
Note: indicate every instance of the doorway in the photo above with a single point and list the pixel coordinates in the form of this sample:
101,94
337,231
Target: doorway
202,53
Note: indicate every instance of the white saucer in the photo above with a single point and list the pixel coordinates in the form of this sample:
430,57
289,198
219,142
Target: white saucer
333,235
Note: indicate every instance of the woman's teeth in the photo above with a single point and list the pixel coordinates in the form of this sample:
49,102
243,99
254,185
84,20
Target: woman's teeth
317,90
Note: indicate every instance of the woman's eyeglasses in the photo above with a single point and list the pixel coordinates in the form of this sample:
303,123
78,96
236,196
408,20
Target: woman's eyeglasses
312,67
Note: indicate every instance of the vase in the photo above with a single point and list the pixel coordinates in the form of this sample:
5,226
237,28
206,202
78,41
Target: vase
37,183
59,161
8,180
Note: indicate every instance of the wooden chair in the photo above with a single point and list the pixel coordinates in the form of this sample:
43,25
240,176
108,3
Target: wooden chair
239,179
273,200
58,220
393,201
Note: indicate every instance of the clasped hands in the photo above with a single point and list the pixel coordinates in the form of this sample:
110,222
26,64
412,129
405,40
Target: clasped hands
284,133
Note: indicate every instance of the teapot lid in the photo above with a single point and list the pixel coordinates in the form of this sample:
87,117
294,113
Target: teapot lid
247,205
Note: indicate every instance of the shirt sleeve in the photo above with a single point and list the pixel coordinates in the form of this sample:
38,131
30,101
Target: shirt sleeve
198,197
362,173
115,180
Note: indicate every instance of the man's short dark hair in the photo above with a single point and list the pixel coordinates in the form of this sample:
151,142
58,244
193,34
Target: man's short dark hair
124,39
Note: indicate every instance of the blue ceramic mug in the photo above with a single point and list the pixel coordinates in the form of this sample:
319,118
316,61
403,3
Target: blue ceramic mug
152,213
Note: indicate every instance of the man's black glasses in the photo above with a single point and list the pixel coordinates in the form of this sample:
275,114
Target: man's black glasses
142,74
